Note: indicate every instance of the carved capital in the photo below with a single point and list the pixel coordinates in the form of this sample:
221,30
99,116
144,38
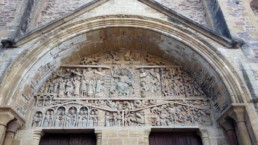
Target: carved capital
7,114
237,113
5,117
14,125
227,124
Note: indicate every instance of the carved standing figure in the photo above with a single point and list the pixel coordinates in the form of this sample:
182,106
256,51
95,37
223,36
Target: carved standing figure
83,87
90,88
108,119
56,85
61,88
76,84
68,88
99,88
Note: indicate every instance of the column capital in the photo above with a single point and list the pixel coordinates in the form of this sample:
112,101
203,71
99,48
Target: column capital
14,125
5,117
7,114
237,113
226,124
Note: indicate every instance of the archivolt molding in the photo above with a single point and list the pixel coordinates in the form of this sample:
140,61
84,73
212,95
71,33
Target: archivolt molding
49,38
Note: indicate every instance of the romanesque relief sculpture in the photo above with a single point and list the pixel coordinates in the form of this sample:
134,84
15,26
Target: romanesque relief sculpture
64,116
124,118
177,113
78,83
134,118
172,82
209,85
150,82
37,119
122,88
123,82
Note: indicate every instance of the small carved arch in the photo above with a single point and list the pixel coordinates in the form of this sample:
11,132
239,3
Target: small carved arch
61,110
72,110
254,6
84,111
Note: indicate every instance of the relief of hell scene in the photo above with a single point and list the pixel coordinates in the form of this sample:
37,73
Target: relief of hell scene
125,88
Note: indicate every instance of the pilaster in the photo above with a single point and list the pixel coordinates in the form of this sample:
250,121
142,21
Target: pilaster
98,136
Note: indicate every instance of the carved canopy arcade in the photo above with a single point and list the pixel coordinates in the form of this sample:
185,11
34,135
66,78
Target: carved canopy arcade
120,88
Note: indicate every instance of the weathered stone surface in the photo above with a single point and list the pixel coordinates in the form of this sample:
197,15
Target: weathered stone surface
54,9
240,17
192,9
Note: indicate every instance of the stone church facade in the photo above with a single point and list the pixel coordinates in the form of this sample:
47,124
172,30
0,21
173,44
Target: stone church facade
125,70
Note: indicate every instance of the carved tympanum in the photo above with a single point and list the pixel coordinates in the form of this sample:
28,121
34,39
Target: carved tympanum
121,88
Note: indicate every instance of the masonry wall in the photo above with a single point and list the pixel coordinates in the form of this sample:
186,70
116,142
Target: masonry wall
243,24
11,12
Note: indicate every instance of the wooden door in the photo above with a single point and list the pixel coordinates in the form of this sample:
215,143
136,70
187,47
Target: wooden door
174,138
68,139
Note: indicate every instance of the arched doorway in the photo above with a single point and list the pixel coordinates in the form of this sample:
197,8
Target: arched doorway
122,81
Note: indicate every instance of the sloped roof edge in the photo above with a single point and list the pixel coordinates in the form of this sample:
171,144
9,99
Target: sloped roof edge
45,28
179,18
174,16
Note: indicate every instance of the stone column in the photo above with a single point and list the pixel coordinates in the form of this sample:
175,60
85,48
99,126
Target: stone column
146,136
230,131
98,136
5,118
12,127
36,137
204,136
238,115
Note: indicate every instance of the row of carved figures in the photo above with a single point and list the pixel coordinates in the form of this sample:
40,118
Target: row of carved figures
152,82
61,118
163,115
75,86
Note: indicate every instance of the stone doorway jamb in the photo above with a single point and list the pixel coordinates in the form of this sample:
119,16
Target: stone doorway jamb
7,114
238,126
204,134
